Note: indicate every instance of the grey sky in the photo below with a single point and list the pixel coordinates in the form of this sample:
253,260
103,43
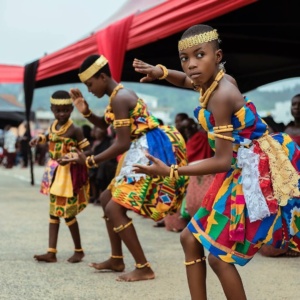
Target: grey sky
29,29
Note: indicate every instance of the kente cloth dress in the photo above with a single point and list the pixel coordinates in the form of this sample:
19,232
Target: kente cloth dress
257,201
68,185
151,197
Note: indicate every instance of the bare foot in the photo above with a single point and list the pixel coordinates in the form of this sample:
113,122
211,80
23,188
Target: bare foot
48,257
113,264
137,275
76,257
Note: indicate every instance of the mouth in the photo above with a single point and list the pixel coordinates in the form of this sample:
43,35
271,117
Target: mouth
195,75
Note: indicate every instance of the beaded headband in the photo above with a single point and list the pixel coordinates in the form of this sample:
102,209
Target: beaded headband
93,69
198,39
61,101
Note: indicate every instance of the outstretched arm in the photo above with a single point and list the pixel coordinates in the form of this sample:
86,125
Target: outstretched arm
152,73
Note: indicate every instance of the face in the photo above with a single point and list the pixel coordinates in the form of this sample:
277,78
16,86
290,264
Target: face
96,86
295,108
62,113
178,122
200,62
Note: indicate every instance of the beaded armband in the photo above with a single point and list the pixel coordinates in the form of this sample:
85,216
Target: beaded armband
84,143
43,139
121,123
225,128
165,72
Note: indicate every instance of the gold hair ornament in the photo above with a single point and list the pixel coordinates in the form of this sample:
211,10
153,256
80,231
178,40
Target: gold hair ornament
93,69
61,101
198,39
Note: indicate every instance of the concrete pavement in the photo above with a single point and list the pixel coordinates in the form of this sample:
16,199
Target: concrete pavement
24,232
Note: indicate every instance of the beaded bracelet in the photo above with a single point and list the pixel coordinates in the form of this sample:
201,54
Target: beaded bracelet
43,139
165,72
88,114
174,172
93,161
87,162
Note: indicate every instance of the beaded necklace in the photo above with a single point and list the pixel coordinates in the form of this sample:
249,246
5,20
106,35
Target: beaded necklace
205,97
114,92
63,129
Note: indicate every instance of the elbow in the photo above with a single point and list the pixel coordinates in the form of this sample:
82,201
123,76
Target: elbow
223,165
123,147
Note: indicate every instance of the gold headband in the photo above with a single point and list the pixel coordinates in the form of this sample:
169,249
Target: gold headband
61,101
198,39
93,69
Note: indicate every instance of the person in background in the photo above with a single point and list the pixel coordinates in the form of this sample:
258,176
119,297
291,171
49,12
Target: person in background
66,184
10,150
244,207
293,128
101,176
178,122
24,146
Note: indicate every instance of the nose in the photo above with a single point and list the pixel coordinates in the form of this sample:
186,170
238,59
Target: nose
192,63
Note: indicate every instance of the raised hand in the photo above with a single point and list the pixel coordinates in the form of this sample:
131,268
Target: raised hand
157,168
152,72
79,102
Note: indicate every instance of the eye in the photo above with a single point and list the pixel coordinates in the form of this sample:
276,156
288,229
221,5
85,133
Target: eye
199,55
183,58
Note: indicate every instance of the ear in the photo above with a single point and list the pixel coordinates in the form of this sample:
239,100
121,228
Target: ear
103,77
219,56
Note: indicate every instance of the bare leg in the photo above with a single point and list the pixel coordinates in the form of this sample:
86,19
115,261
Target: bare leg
196,265
115,262
229,277
74,230
50,256
125,229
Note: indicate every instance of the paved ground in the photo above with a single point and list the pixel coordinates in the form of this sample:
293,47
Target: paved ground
24,232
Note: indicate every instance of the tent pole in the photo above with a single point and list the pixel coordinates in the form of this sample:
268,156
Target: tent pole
29,85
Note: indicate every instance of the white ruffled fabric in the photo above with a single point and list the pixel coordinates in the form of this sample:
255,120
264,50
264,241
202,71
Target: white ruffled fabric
254,198
135,155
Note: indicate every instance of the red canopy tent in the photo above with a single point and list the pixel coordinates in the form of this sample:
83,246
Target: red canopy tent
133,31
11,74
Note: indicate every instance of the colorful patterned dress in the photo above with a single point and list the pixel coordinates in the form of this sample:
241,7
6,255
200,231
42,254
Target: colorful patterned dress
150,197
257,201
67,185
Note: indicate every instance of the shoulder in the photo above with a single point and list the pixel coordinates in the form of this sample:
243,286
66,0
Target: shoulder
124,100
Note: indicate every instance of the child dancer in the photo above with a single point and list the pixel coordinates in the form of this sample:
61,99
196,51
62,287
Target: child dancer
254,198
137,131
66,183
